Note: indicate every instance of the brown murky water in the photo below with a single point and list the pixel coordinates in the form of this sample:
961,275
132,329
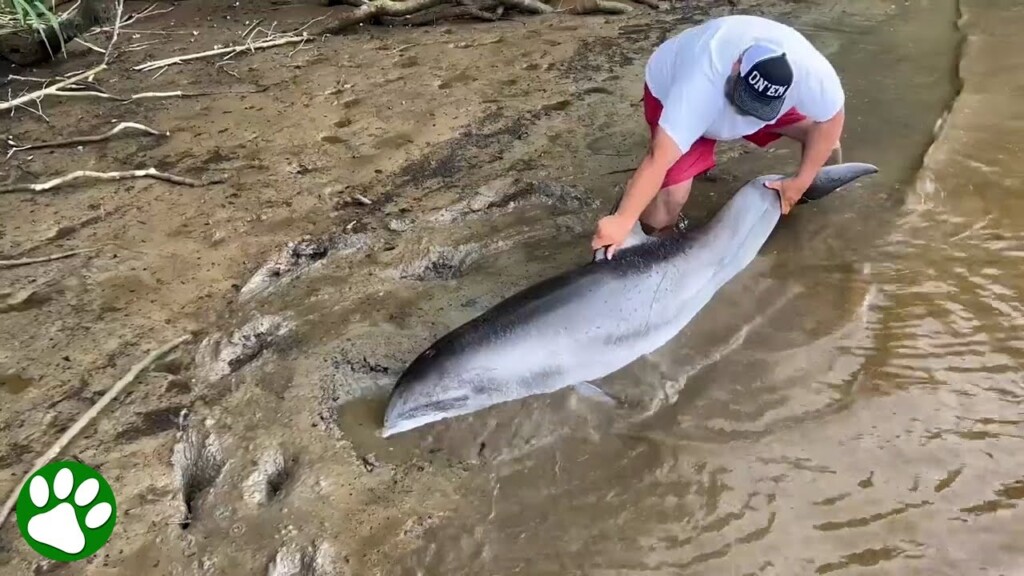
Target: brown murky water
852,404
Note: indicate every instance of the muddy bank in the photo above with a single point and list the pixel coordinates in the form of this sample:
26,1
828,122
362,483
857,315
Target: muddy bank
348,234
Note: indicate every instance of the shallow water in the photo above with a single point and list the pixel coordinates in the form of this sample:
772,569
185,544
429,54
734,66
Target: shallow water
851,404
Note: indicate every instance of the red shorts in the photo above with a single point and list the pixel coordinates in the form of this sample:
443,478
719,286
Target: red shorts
701,156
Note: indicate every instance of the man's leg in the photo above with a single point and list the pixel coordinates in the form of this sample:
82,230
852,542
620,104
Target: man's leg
660,216
799,130
792,124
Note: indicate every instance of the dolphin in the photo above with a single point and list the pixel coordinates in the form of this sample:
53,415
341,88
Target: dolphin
586,323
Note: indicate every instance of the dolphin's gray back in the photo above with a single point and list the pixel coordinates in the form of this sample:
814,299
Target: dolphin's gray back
589,323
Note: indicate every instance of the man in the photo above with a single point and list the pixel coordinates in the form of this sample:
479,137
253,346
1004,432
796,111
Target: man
731,77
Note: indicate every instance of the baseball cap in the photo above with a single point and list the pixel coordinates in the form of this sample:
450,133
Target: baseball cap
765,78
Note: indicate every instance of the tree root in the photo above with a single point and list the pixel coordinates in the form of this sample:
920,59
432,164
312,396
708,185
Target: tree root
531,6
148,172
374,10
599,7
428,17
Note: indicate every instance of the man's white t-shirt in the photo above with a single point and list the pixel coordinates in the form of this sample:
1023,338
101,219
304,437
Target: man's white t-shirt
687,73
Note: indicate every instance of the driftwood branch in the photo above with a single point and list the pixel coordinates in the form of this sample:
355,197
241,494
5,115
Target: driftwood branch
41,259
117,28
599,7
147,173
51,89
373,10
530,6
145,95
229,49
89,139
407,12
86,418
428,17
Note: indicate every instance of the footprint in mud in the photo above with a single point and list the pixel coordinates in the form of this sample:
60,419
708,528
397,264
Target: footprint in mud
441,263
393,142
268,480
462,77
219,356
198,462
297,258
316,559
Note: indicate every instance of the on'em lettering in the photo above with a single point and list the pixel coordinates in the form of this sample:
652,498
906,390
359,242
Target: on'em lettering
760,84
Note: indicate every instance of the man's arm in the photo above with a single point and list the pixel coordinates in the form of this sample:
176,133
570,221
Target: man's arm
646,182
687,111
685,115
822,138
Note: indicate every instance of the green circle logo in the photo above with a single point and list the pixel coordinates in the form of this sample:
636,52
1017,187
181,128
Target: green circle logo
66,511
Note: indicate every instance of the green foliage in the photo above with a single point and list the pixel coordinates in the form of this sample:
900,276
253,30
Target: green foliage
28,14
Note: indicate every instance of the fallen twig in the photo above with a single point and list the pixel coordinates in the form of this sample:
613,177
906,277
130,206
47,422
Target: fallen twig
148,172
89,46
88,139
131,19
56,87
117,28
134,97
254,46
86,418
41,259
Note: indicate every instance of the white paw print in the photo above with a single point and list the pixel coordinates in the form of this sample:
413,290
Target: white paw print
60,526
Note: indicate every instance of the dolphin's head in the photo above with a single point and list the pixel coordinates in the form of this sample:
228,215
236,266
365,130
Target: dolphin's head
430,389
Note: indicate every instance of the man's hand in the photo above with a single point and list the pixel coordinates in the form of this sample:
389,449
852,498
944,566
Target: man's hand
641,189
611,232
790,191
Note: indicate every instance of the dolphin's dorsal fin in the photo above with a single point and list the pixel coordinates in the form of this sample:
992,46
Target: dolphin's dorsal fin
636,236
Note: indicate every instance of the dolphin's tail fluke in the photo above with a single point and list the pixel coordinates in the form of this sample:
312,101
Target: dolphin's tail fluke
832,178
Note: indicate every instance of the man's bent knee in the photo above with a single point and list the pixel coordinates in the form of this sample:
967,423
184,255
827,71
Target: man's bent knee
663,211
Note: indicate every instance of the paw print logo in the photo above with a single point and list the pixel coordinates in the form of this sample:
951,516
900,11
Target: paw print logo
66,511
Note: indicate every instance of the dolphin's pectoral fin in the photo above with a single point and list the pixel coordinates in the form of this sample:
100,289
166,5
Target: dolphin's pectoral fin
831,178
636,236
590,391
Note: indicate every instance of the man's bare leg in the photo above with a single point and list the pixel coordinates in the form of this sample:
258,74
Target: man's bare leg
660,216
799,131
